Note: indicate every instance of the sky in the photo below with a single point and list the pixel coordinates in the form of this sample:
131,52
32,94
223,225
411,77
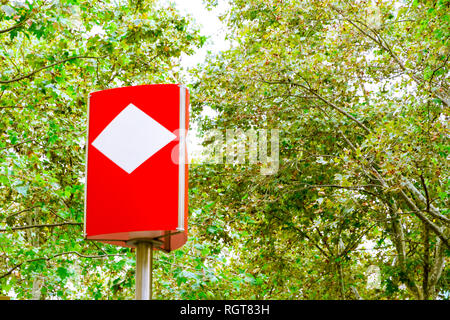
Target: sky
210,26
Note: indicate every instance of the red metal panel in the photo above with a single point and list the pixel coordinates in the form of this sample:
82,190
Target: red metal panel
121,206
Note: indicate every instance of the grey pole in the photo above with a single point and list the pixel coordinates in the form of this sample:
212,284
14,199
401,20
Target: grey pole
144,270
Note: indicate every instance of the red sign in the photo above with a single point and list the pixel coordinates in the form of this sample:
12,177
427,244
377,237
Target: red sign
136,165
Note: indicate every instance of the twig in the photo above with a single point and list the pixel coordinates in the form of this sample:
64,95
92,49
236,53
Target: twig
41,226
17,25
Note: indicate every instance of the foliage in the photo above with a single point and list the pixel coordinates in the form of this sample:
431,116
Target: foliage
359,92
52,54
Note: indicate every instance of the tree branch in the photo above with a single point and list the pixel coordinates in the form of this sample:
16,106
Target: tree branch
46,67
343,187
304,234
41,226
422,217
385,46
318,96
17,25
437,268
425,200
58,255
19,212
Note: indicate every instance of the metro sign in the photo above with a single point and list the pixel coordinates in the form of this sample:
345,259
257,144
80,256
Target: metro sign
136,165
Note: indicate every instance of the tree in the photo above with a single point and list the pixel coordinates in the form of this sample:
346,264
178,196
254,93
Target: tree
360,94
52,54
358,91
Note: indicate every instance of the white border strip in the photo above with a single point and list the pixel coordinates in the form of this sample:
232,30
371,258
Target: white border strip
182,159
86,164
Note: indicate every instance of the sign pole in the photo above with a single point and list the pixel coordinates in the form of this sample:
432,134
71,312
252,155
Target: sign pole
144,270
155,118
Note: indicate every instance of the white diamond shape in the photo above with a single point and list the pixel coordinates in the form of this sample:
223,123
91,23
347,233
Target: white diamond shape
131,138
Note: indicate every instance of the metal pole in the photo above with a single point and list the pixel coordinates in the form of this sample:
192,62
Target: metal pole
144,270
